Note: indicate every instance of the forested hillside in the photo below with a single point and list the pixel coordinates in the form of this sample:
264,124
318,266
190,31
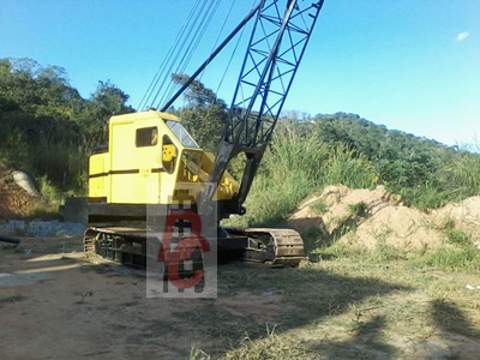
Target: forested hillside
425,171
49,130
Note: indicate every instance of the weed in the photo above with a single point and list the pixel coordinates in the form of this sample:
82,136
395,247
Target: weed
347,167
320,207
343,229
198,354
459,237
359,210
270,347
387,253
314,238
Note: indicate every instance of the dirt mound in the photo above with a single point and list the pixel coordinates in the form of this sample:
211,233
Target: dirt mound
366,218
463,216
337,206
14,201
398,227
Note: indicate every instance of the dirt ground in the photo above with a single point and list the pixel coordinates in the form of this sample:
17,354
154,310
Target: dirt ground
56,305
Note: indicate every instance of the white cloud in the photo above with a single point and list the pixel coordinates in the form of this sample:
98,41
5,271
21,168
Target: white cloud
462,36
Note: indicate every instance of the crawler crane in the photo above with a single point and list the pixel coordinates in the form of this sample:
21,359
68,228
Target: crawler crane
152,159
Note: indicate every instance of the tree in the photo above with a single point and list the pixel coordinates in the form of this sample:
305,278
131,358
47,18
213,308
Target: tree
106,101
50,129
204,114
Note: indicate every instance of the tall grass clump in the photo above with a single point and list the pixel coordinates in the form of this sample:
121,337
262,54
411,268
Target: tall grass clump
459,254
457,258
345,166
295,166
463,175
271,347
455,180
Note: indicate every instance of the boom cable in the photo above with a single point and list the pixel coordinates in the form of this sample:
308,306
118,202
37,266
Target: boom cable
192,47
222,28
178,40
191,28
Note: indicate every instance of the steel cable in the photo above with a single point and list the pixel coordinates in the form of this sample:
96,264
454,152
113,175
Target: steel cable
178,39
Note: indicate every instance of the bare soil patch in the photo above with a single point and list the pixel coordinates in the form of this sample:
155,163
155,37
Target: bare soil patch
337,308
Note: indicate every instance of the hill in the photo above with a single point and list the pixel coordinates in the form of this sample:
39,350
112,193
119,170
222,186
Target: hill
426,172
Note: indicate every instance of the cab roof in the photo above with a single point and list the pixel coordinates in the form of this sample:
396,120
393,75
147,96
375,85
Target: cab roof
143,115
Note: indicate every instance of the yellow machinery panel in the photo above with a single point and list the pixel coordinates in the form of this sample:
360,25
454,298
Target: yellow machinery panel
98,180
152,159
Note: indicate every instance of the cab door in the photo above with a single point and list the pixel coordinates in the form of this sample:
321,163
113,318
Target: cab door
136,153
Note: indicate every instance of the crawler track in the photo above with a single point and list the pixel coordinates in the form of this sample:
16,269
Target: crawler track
128,246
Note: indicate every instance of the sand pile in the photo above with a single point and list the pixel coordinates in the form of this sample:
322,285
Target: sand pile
337,206
463,216
398,227
371,218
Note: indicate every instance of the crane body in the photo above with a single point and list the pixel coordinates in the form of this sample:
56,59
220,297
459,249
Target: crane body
152,160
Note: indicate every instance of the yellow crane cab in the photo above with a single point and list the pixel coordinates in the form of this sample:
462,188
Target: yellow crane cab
152,159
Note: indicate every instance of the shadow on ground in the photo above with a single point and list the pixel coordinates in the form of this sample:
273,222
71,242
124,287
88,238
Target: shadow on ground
449,318
101,310
366,342
308,297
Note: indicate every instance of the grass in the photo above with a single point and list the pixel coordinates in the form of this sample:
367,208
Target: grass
453,182
320,207
353,303
456,236
359,210
271,347
458,254
464,258
298,164
349,306
52,198
295,166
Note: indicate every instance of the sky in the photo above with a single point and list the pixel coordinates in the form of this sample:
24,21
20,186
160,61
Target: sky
412,65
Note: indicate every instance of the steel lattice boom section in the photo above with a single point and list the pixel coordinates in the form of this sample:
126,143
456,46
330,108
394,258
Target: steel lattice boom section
280,35
277,44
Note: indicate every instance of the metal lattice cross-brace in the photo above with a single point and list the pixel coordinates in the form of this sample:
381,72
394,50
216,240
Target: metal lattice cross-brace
280,35
277,44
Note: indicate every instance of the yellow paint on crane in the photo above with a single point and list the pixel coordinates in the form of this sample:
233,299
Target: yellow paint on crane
151,159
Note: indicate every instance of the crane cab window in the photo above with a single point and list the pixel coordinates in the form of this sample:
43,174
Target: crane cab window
182,134
146,137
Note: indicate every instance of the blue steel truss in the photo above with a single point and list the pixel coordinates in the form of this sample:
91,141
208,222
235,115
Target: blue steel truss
280,35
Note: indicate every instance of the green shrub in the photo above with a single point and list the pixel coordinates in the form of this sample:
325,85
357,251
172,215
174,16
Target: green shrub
320,207
359,210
